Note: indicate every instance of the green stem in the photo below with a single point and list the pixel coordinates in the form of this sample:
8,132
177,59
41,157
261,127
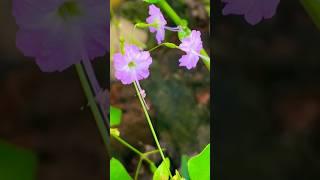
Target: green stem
151,126
155,47
93,106
170,12
138,169
179,22
206,62
142,155
152,152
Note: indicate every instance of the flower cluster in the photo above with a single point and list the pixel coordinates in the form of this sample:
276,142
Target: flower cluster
133,64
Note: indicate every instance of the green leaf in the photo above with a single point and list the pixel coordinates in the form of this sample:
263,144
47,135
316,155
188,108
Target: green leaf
151,1
118,171
313,9
115,116
177,176
199,165
162,172
184,166
16,163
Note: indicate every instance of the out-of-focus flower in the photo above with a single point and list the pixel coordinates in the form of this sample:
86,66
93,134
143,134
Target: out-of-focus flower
158,23
132,66
60,33
253,10
192,45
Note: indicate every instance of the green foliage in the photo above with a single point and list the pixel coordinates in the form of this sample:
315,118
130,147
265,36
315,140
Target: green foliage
151,1
162,172
177,176
199,165
117,170
184,167
313,9
115,116
16,163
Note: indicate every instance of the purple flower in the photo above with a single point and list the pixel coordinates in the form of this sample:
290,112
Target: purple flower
60,33
158,23
157,18
192,46
133,65
253,10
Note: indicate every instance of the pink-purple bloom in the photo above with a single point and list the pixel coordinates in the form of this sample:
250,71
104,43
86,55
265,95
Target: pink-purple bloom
60,33
158,23
157,18
132,66
192,45
253,10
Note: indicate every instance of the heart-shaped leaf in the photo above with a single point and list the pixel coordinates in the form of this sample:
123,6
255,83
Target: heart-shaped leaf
118,171
162,172
199,165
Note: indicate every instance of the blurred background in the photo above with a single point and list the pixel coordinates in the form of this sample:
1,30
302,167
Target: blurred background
266,95
179,99
46,132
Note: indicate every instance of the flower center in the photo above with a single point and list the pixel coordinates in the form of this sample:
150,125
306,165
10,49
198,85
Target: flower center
69,9
131,64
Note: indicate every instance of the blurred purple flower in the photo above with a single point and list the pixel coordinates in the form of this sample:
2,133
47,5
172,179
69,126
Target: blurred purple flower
60,33
133,65
159,23
253,10
192,45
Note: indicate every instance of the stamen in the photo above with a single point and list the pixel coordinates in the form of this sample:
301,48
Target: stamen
175,29
142,93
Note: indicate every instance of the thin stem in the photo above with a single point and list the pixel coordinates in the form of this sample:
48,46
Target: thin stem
138,169
93,106
96,89
204,60
170,12
142,155
179,22
151,126
156,47
127,145
152,152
